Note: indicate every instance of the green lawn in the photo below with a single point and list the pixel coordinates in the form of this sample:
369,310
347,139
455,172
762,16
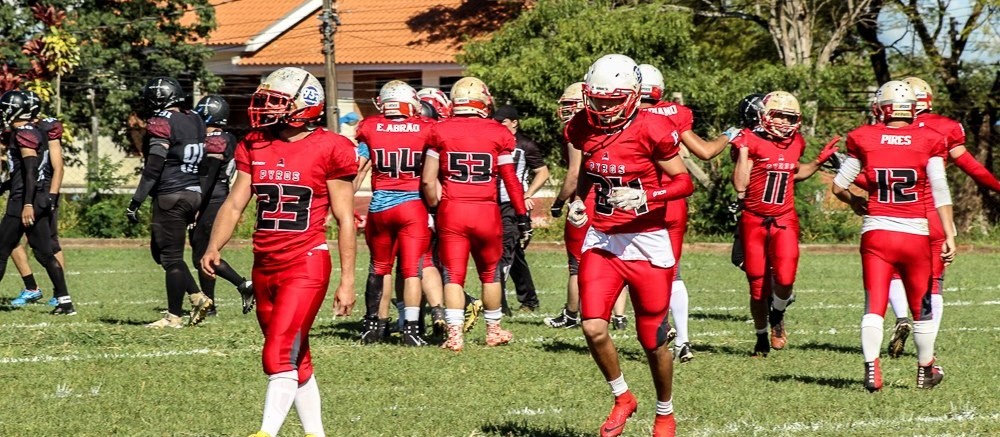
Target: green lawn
101,373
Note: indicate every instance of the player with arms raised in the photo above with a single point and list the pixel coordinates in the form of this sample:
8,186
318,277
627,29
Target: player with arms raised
899,157
297,172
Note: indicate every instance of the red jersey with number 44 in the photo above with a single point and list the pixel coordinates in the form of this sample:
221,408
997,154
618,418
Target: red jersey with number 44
289,180
679,114
772,176
470,149
626,158
895,159
396,150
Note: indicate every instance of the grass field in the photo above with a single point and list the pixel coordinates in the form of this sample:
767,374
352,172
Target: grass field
101,373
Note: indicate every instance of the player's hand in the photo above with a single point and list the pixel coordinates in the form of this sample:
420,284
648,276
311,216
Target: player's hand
529,204
430,223
859,205
211,259
731,132
948,250
577,215
828,150
343,301
524,230
132,212
556,209
28,216
627,198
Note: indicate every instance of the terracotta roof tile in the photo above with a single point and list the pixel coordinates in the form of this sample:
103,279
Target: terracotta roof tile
239,20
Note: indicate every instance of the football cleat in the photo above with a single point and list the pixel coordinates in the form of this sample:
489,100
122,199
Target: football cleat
763,346
563,320
619,323
625,406
664,426
411,334
929,376
873,376
200,304
373,330
168,321
455,341
211,311
25,297
527,309
473,309
247,296
671,335
683,352
438,320
779,337
53,301
497,336
63,309
899,334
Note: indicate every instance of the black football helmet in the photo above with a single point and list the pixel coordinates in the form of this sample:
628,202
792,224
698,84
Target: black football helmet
162,92
34,103
750,108
214,110
14,106
428,110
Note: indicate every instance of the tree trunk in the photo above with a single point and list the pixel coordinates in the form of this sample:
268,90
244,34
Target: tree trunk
867,28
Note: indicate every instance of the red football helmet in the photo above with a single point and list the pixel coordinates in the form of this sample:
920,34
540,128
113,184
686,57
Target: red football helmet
288,95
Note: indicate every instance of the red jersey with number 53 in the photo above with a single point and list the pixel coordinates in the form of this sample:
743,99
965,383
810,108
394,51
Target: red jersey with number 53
470,149
626,158
396,150
289,180
772,176
895,159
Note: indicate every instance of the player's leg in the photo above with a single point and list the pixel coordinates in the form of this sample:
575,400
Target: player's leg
454,247
676,228
618,319
487,249
199,236
433,288
897,300
569,317
937,239
601,281
307,398
524,284
40,240
381,240
30,292
755,265
877,258
54,229
414,238
916,269
11,232
646,285
509,241
783,253
169,227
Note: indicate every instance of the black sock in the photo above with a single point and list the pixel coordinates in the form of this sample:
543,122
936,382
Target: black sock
29,282
58,278
373,294
225,271
177,285
207,285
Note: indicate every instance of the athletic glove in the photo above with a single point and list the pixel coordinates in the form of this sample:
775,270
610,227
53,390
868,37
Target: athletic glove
731,132
627,198
557,206
828,150
132,212
524,229
834,162
577,215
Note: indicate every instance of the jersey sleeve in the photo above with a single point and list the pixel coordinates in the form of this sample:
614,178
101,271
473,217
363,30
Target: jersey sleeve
956,135
342,162
27,138
684,119
506,144
532,154
158,127
431,147
572,131
742,139
854,145
215,144
243,155
361,133
664,140
55,131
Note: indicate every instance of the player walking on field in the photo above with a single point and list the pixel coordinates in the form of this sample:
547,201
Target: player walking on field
297,172
899,158
465,154
767,168
630,161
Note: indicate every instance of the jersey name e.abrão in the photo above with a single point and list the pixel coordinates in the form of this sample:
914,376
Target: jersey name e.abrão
470,150
771,191
396,147
627,157
894,161
289,180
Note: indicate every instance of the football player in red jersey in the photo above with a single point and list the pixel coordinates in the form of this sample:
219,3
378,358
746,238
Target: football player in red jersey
767,168
900,157
397,218
465,153
297,172
954,135
630,161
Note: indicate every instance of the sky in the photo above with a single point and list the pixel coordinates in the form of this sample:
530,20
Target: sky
984,46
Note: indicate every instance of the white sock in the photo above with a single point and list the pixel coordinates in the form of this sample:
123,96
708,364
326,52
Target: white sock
492,316
618,385
924,334
871,336
761,331
780,304
665,408
454,317
307,405
411,314
897,299
281,388
679,308
937,307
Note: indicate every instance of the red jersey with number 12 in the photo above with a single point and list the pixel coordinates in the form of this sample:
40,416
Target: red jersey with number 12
772,176
396,150
289,180
470,149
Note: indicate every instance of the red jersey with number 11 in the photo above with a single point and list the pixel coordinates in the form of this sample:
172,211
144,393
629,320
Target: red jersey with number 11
289,180
470,150
396,150
772,176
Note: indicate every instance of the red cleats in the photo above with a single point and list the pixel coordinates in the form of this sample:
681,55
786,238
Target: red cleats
664,426
625,406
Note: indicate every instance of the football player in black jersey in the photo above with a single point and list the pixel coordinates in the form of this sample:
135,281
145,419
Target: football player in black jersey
29,202
217,167
174,143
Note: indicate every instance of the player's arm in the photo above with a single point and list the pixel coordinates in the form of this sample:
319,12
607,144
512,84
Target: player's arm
848,173
56,159
741,174
226,220
539,176
151,171
806,170
705,150
942,202
568,188
429,179
505,167
208,174
968,163
679,187
342,203
29,157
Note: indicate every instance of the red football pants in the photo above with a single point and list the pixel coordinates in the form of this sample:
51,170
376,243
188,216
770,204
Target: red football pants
885,252
465,228
937,238
771,244
403,227
602,276
677,224
289,296
573,237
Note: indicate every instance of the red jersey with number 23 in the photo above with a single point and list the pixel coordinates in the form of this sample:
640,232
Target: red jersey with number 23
396,150
470,150
289,180
772,176
625,158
